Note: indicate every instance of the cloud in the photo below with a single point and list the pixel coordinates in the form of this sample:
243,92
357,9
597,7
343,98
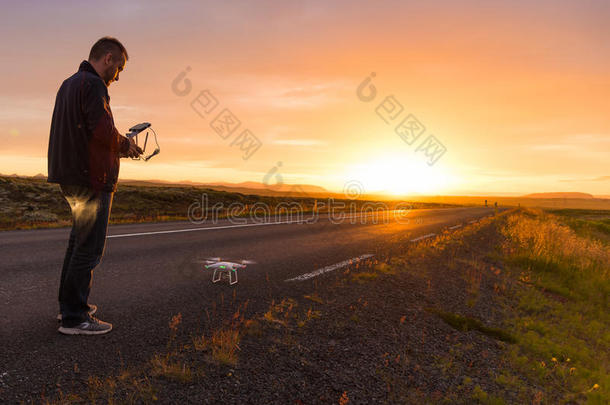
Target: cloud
298,142
30,109
600,178
292,93
573,142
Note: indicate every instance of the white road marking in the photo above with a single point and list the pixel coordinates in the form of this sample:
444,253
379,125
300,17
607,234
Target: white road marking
126,235
455,226
332,267
211,228
423,237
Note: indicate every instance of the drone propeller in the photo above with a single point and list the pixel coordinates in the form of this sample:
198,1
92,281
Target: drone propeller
247,261
211,260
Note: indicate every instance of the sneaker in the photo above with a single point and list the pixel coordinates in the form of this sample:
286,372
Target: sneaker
92,309
92,326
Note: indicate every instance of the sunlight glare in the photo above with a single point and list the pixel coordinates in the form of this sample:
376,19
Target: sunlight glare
399,175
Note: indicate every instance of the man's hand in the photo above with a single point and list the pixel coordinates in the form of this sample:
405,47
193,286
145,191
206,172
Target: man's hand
134,150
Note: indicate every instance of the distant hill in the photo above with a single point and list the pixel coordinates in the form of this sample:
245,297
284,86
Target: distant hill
306,188
559,195
248,187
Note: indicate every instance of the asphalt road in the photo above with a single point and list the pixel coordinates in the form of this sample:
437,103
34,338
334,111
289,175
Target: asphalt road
150,273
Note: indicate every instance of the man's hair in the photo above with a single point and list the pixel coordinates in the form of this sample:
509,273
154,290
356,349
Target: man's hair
105,45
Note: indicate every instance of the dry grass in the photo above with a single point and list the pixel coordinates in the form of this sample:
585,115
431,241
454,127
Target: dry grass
124,389
225,344
174,323
562,314
309,315
363,277
376,269
555,258
170,368
281,313
542,237
344,399
473,275
465,323
314,297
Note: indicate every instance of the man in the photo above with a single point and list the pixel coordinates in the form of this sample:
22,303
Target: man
84,152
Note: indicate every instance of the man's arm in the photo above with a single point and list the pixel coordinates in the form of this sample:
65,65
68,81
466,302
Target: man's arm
133,150
100,123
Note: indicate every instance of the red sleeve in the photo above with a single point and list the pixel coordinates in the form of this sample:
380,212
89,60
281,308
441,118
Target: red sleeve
124,143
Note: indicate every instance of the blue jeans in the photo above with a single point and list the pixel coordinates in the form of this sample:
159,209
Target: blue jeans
90,214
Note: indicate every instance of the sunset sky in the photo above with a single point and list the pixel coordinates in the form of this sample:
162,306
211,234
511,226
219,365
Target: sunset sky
518,92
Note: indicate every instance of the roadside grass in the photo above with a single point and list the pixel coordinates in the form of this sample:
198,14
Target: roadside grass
285,314
133,389
450,241
308,316
473,275
553,255
281,312
561,318
376,269
169,367
223,343
558,311
594,224
126,388
363,277
314,297
466,323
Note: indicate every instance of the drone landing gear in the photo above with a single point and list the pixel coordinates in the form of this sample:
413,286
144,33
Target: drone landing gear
219,273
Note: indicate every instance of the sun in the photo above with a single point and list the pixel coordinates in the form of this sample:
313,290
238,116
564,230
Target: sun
396,174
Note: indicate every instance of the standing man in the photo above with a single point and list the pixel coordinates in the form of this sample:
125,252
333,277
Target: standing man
84,152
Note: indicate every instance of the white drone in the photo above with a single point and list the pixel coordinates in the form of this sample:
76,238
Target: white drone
225,268
134,131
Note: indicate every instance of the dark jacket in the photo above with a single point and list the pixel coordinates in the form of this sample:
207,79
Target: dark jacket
84,144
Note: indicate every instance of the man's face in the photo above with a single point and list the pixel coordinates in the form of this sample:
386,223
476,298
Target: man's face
114,67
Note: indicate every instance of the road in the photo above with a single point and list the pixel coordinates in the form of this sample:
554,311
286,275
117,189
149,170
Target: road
150,273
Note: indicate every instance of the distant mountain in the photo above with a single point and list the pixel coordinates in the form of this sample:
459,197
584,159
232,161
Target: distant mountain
559,195
247,187
305,188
